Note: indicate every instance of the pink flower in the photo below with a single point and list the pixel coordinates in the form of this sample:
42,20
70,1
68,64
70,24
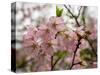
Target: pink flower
84,44
93,34
65,43
52,36
80,30
29,37
45,34
56,23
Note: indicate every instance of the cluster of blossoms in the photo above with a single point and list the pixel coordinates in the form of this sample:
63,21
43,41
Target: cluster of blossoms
48,38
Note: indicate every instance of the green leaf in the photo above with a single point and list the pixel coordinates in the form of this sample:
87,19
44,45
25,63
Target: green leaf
86,54
61,54
59,11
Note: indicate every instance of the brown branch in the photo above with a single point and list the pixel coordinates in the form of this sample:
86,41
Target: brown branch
77,22
93,50
75,17
53,65
78,63
77,46
69,11
79,12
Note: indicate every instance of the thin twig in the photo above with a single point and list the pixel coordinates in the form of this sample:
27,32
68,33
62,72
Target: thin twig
76,20
77,46
53,65
79,12
93,50
75,17
77,63
69,11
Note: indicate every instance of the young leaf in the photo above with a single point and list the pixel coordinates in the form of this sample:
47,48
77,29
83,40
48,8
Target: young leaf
59,11
61,54
86,54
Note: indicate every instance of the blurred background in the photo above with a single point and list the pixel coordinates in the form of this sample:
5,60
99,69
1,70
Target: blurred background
35,14
30,14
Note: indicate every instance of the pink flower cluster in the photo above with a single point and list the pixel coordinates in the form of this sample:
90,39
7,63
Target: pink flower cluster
48,38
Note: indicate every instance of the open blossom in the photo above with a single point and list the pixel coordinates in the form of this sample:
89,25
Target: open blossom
56,23
80,30
66,42
93,34
45,34
29,37
50,37
56,20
